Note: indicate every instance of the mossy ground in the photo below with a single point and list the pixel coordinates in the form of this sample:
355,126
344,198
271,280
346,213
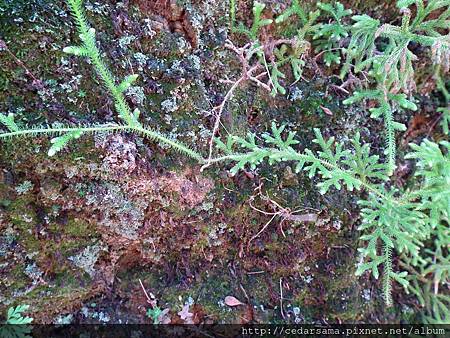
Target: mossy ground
119,204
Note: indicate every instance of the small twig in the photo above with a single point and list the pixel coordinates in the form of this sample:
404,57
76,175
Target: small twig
324,51
261,211
218,117
131,66
244,55
244,292
263,228
281,227
281,299
268,72
345,91
255,272
4,46
433,125
149,300
285,213
301,218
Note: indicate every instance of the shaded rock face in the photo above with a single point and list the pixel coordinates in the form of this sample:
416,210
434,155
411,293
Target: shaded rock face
171,16
111,210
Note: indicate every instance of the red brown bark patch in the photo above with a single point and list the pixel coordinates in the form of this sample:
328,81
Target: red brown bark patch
177,18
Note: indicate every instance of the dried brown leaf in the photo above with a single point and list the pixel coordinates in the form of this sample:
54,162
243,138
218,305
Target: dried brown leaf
327,110
232,301
186,315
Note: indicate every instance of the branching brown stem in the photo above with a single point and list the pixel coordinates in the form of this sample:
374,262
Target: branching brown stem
286,214
253,73
4,46
257,73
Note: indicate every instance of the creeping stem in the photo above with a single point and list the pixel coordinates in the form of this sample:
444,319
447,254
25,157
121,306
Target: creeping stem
295,156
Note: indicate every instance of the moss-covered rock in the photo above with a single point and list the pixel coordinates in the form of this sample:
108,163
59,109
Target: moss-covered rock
110,211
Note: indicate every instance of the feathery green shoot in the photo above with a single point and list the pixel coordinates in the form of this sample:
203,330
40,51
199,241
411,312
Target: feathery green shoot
89,49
